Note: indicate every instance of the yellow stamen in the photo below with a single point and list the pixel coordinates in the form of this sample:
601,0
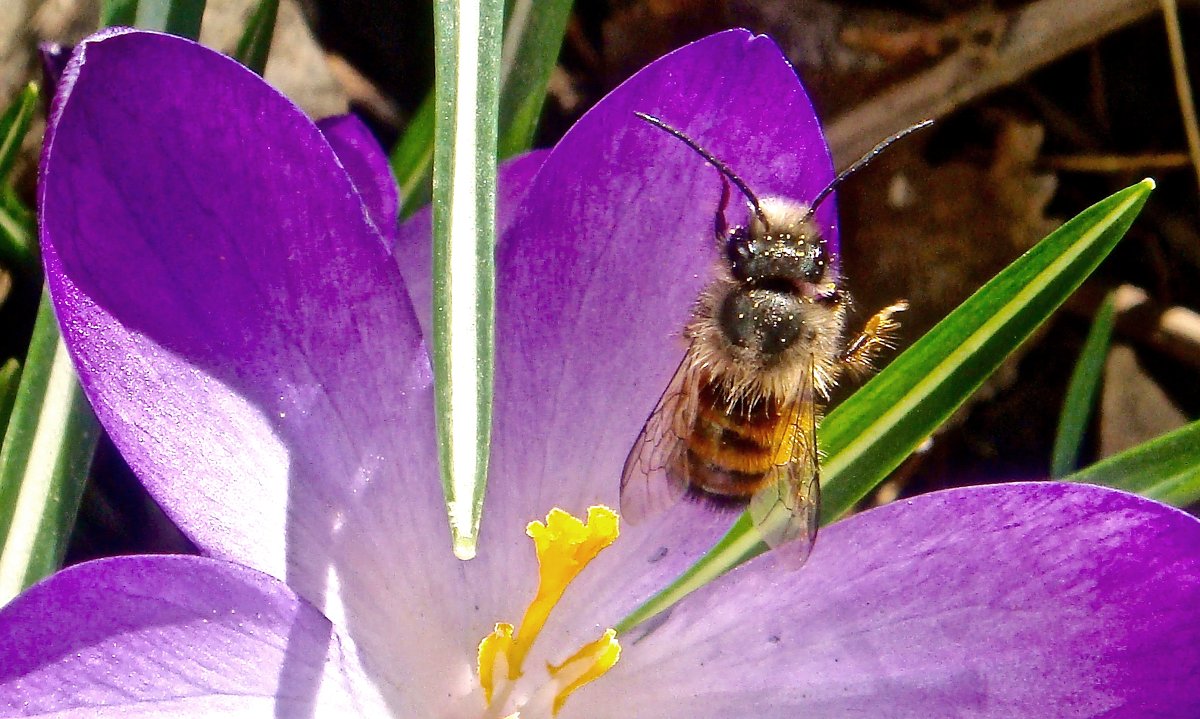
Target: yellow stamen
589,663
564,546
493,650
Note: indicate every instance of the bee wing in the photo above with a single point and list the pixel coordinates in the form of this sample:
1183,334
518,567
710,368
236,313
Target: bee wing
786,510
655,477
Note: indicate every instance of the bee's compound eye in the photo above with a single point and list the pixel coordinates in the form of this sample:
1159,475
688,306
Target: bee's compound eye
740,251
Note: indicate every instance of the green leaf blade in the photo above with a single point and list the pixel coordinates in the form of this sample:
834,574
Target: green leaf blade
14,125
18,246
18,249
412,159
255,43
118,12
178,17
1082,389
923,387
467,59
533,37
1166,468
44,460
10,378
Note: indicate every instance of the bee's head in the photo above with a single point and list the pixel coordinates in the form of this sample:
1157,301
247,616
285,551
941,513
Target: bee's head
781,246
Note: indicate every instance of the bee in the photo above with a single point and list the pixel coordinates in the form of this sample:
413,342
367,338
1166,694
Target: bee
737,424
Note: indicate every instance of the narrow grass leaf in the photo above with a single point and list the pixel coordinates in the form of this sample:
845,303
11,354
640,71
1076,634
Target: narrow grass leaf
178,17
533,35
1166,469
118,12
467,62
412,159
14,125
10,377
870,433
44,460
1080,400
255,43
18,246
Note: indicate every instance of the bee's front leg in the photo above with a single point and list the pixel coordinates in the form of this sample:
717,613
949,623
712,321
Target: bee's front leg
877,335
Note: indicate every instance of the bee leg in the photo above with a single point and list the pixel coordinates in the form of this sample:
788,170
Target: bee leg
877,335
720,225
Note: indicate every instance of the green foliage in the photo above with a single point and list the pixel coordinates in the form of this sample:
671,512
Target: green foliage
255,43
47,450
17,247
118,12
1081,394
1166,468
178,17
14,125
412,159
533,34
467,61
10,377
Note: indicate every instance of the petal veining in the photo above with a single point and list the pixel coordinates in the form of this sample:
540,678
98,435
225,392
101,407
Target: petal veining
168,635
247,340
1032,600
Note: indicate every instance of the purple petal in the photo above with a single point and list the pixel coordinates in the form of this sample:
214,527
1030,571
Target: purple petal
414,248
596,279
367,165
1029,600
173,636
243,333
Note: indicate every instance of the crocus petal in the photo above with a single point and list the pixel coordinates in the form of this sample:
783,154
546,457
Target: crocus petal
244,334
414,248
173,636
595,279
367,165
1030,600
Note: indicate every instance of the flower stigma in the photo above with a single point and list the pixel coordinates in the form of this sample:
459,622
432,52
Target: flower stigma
564,546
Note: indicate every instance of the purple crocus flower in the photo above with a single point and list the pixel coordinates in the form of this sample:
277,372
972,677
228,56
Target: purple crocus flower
223,274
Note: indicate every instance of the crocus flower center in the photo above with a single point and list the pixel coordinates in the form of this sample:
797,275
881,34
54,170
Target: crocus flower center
564,546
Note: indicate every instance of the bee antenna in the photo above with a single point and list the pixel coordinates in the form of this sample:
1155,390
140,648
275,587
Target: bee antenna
721,166
860,164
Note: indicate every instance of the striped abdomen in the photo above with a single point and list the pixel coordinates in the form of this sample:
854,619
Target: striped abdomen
733,446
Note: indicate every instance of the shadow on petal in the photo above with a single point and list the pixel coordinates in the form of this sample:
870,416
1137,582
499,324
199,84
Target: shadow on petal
185,636
236,320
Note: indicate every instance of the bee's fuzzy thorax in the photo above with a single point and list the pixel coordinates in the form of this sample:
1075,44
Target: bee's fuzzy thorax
749,374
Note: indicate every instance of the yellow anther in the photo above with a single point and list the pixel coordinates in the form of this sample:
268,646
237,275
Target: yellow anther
493,657
589,663
564,546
